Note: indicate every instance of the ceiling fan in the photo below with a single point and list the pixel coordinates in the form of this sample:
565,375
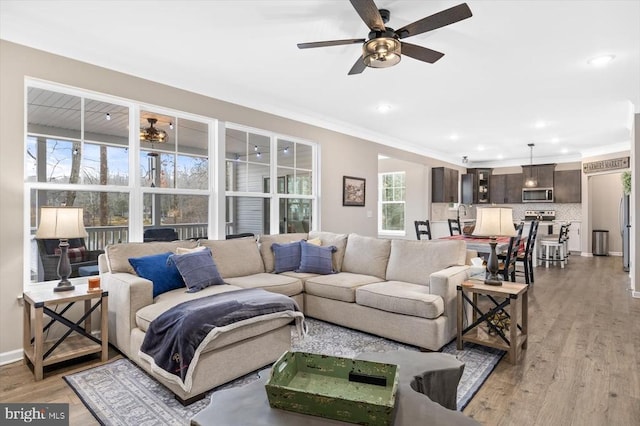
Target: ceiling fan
383,48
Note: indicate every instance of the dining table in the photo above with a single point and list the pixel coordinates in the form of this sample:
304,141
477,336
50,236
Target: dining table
480,244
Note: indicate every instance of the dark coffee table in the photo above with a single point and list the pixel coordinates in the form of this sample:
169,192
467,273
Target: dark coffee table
428,383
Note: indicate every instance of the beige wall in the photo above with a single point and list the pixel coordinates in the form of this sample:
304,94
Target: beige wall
340,155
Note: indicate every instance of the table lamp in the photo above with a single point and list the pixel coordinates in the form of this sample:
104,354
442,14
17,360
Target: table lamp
494,222
62,223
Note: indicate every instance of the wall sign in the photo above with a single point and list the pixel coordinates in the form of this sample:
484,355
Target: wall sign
605,165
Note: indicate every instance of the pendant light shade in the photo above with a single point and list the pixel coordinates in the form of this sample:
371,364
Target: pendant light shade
382,52
531,181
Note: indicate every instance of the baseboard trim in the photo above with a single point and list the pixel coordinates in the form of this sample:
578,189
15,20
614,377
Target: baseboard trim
10,357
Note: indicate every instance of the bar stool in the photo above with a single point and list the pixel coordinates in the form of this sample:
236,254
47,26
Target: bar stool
553,250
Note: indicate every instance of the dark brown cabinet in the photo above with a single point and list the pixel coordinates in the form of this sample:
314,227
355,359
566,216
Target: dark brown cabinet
506,189
568,186
543,173
444,185
476,186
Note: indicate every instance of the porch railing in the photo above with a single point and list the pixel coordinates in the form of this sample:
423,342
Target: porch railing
101,236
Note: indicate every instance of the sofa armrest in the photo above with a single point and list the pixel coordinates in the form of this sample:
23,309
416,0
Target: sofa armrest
128,293
444,283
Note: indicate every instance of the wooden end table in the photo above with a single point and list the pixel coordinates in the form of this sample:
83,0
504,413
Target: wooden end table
41,353
482,331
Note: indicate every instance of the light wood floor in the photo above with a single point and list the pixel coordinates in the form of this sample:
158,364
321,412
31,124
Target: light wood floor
582,366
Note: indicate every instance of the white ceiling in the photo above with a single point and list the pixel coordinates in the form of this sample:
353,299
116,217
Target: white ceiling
506,69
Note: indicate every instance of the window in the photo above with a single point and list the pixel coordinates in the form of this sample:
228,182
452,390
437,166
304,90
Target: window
392,203
78,152
267,177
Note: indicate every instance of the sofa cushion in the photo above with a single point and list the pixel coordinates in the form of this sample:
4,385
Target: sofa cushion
198,270
286,256
282,284
117,255
340,286
401,298
302,276
316,259
172,298
235,258
366,255
265,247
156,268
415,261
332,239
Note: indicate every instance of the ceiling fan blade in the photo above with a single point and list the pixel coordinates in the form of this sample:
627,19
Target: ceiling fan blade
368,11
330,43
435,21
420,53
358,67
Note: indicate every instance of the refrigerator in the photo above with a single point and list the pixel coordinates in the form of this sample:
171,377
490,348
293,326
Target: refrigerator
625,230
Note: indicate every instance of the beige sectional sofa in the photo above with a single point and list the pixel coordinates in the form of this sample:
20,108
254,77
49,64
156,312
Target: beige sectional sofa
398,289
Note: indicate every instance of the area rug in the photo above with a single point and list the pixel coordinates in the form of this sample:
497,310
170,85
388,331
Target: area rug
120,393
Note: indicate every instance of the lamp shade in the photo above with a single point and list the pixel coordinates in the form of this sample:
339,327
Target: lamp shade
494,222
61,223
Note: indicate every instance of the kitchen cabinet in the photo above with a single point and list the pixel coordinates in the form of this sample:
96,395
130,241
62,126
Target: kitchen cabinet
475,186
542,172
568,186
506,189
574,243
444,185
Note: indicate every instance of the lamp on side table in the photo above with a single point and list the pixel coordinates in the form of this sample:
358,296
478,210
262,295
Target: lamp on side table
62,223
494,222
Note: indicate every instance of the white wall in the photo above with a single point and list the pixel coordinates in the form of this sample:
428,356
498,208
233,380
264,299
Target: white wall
605,192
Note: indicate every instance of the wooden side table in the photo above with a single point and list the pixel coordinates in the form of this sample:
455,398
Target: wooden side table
483,331
41,353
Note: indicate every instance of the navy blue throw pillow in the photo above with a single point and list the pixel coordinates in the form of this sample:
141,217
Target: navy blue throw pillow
316,259
287,256
198,269
155,268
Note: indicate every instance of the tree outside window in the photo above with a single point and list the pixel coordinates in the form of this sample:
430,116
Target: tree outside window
392,202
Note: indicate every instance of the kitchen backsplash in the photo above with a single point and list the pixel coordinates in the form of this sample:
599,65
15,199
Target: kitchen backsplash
573,211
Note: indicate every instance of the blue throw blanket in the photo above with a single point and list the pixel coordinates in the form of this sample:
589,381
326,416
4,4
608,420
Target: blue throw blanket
175,339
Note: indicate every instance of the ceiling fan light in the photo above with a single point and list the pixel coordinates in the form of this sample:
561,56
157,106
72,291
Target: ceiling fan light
381,52
152,134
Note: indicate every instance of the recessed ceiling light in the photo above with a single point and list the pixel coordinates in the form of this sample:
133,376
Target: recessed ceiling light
383,108
500,157
564,150
540,124
454,136
600,61
555,140
480,147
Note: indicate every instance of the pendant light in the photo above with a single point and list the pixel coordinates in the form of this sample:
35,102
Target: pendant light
531,182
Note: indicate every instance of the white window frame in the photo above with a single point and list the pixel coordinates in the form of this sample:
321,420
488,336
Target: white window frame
381,203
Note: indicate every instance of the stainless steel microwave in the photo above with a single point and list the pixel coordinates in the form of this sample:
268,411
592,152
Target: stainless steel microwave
537,195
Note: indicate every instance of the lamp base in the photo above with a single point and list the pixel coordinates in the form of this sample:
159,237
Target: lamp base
62,286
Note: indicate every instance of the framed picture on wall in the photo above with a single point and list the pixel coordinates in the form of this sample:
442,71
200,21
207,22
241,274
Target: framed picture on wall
353,191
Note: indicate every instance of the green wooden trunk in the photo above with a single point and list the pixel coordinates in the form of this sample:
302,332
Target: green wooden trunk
353,391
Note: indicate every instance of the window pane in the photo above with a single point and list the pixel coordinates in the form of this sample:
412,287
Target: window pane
104,165
248,214
304,156
106,218
393,217
53,114
192,172
193,137
259,149
187,213
157,169
295,215
106,122
286,154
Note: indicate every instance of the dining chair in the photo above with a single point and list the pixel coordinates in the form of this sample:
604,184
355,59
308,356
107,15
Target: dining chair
422,228
507,268
528,256
454,227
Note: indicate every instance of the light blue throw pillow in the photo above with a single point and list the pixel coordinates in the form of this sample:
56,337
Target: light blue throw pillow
316,259
198,269
164,277
287,256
